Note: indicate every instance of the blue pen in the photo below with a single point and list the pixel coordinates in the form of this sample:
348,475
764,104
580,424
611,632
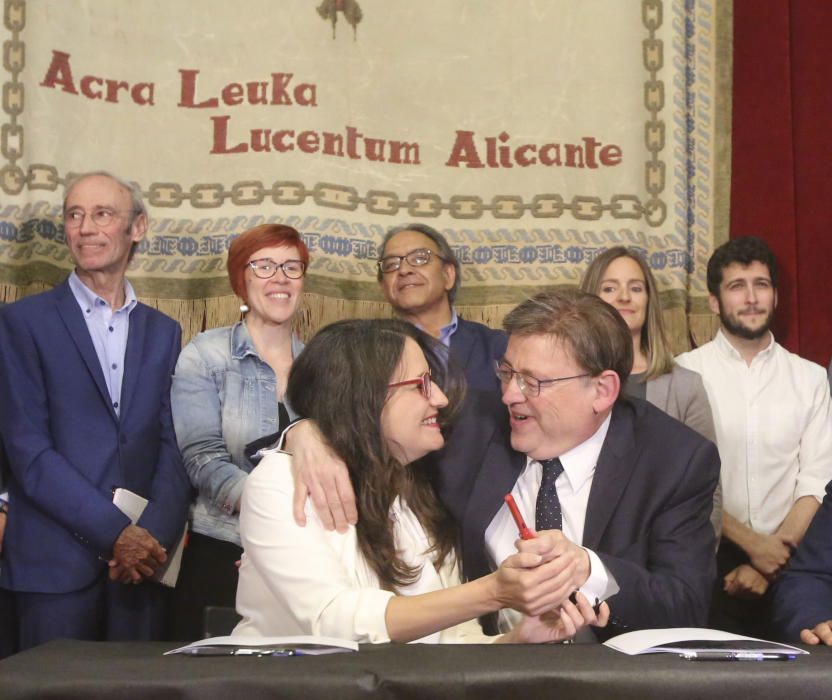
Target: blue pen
738,656
222,650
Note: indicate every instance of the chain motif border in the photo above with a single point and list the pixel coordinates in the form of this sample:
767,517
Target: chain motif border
13,177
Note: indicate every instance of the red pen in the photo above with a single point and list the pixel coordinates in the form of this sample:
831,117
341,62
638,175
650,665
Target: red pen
525,533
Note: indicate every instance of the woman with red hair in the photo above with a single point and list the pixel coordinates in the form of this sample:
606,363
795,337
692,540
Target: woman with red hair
228,401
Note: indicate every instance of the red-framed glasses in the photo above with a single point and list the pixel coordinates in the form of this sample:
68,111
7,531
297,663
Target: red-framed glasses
423,381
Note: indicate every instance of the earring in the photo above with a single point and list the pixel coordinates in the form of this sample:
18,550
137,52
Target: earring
243,308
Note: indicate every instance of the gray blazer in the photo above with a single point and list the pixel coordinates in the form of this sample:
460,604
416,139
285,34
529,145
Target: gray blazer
681,394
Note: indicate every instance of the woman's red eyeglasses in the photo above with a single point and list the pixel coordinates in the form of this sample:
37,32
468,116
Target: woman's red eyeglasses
423,381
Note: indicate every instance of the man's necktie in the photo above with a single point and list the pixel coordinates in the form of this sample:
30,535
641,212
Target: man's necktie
547,515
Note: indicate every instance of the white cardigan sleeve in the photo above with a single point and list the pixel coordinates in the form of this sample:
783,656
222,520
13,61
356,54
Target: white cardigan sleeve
301,580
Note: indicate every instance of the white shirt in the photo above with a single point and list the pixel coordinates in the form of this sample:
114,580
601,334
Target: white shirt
573,487
773,428
307,580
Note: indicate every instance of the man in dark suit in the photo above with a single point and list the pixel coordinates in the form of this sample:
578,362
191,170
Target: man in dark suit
631,486
85,379
802,600
620,493
419,275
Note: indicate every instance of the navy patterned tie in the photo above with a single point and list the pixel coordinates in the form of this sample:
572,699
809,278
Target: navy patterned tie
547,515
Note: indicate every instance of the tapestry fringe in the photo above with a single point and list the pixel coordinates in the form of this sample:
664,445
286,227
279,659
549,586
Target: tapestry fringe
196,315
676,329
10,293
318,311
703,327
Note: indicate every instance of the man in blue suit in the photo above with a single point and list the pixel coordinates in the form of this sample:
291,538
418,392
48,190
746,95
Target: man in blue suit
85,380
803,593
420,276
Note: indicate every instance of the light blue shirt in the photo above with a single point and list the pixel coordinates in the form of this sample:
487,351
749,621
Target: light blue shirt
448,330
108,331
445,333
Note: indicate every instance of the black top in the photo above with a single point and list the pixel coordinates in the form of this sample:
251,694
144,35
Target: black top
268,440
635,387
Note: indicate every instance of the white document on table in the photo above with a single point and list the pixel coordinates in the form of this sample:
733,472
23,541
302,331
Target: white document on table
692,640
241,645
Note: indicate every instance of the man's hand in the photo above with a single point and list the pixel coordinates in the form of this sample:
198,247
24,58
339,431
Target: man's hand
136,553
554,545
123,574
527,582
769,553
322,476
821,633
745,582
557,626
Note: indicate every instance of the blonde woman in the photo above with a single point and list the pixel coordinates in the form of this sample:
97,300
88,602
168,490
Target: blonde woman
622,278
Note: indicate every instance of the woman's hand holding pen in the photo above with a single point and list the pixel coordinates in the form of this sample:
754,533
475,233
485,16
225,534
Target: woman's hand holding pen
558,625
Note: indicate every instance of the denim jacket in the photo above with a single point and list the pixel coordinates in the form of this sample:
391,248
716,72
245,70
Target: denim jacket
223,397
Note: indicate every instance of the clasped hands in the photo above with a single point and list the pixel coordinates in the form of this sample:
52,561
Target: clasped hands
136,555
538,581
768,555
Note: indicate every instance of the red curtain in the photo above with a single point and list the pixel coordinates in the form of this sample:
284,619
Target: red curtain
781,184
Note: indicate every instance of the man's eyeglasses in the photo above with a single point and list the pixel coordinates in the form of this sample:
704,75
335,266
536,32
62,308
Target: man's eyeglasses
528,385
415,258
424,382
101,217
264,268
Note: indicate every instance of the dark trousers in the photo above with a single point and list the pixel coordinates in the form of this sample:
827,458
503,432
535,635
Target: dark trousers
748,616
208,577
8,625
104,611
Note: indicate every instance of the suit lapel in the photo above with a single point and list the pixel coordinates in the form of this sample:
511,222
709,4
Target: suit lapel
73,319
133,355
612,473
461,345
500,469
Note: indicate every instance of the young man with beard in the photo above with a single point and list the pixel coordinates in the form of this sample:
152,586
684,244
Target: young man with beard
772,414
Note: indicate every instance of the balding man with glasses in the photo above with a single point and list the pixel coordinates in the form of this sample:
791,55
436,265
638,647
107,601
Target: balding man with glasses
419,275
618,492
85,374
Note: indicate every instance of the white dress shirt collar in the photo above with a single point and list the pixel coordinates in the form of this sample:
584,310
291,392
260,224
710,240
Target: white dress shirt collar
724,346
579,462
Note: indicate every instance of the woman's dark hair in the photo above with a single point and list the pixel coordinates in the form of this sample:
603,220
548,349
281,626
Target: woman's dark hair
340,381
